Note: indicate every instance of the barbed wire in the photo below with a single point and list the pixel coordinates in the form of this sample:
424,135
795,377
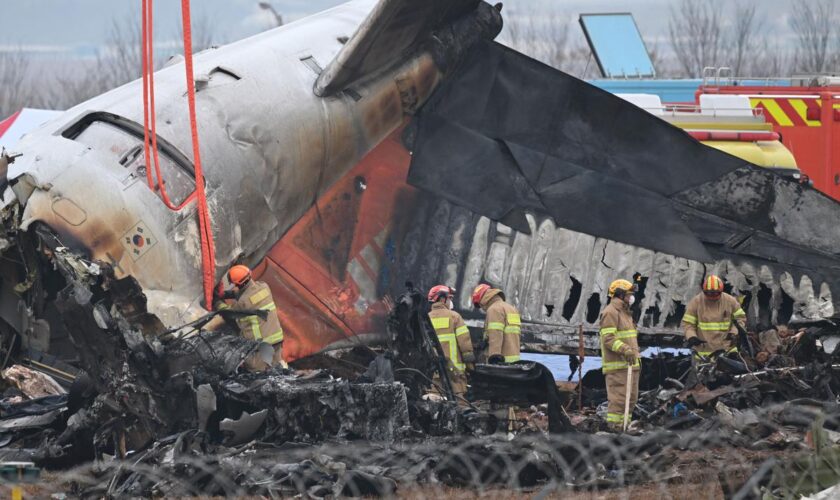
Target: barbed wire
718,457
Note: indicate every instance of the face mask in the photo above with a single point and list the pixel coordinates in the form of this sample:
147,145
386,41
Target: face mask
450,304
631,300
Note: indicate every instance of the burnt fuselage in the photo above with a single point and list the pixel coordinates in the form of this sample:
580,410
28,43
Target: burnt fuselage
270,148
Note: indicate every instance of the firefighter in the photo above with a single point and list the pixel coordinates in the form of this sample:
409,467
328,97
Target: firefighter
710,319
501,324
619,350
454,337
249,294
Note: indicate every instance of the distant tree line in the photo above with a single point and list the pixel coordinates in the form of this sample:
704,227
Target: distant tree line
24,84
736,34
711,33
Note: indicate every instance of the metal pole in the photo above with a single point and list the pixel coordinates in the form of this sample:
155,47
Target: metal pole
581,357
627,391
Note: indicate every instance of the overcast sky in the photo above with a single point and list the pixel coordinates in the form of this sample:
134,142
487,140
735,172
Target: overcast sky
82,25
53,24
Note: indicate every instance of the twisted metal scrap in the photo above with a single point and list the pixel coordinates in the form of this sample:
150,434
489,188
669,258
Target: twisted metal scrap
660,464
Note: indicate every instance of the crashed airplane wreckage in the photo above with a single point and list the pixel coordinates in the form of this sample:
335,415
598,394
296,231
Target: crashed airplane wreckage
347,153
335,214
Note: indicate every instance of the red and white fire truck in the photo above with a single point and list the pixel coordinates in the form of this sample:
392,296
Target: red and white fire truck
806,116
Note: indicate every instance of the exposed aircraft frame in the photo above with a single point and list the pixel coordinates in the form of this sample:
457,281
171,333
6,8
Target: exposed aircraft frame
331,170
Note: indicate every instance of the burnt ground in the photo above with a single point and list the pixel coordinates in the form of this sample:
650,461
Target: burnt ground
189,423
696,477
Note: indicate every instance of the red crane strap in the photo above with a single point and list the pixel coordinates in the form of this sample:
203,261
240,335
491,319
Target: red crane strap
150,147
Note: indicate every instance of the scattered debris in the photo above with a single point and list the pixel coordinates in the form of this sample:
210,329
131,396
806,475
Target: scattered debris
162,408
178,402
308,432
30,383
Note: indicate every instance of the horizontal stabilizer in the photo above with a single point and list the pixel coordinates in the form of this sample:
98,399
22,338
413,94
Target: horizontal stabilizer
506,134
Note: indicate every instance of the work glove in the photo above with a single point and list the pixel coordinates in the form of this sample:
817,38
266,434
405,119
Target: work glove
496,359
470,367
468,357
693,342
219,290
630,355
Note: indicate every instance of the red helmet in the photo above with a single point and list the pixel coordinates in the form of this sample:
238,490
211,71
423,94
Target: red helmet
478,293
440,291
713,284
239,274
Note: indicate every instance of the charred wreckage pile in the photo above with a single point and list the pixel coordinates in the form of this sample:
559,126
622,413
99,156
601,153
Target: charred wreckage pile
144,409
168,414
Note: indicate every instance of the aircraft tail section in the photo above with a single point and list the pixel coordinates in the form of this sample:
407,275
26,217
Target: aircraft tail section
599,165
393,31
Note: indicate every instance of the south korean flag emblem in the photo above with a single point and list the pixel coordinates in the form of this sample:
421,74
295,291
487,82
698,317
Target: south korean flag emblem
138,240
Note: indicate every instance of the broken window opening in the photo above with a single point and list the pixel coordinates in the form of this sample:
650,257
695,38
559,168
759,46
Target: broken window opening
785,309
674,319
571,304
549,310
745,303
641,283
122,139
764,310
746,300
651,316
593,308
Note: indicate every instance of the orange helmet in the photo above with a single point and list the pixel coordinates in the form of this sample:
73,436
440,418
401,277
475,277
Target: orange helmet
712,284
239,275
440,291
478,293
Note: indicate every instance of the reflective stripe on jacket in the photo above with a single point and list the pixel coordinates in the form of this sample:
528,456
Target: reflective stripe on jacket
713,322
502,326
257,295
617,333
452,333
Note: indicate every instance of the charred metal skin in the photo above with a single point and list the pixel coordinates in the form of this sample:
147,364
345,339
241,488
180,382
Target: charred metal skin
280,133
564,188
271,147
558,278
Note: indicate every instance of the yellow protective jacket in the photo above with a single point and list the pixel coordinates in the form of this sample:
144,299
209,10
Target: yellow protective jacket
452,333
618,334
713,321
502,326
257,295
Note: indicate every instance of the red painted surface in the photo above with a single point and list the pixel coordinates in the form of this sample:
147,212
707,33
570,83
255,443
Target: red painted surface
808,120
702,135
330,271
5,124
